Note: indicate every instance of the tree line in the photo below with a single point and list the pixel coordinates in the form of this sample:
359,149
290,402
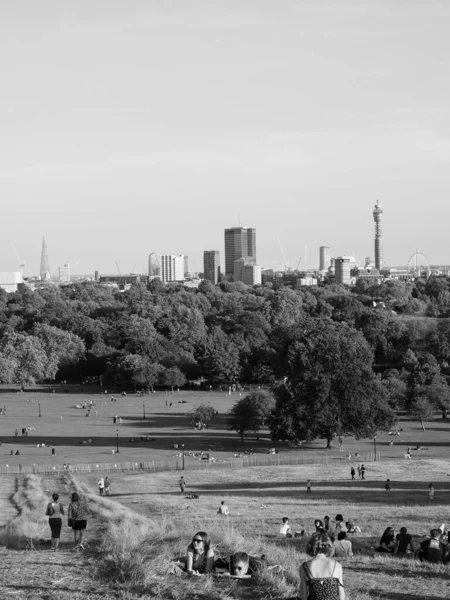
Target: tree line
338,359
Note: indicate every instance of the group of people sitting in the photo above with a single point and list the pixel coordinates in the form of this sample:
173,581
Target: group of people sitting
321,575
435,549
335,530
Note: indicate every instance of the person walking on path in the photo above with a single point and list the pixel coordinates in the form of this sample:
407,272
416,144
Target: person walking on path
359,471
107,486
308,486
363,472
182,484
387,486
54,511
101,486
77,514
353,473
431,491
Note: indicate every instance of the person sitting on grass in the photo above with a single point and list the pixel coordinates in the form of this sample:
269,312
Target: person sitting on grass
321,577
311,544
223,509
403,542
285,529
342,546
387,541
318,524
433,550
199,555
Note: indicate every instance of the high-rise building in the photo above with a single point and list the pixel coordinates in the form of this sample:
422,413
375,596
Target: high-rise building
325,259
247,272
377,217
45,269
153,265
211,265
240,242
64,273
172,267
186,264
342,270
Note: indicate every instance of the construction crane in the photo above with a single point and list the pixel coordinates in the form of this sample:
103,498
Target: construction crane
117,265
298,264
284,262
22,263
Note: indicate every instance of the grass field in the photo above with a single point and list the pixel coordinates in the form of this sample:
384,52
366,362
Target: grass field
135,533
165,426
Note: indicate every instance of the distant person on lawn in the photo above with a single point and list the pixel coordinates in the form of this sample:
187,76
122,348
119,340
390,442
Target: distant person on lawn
387,541
223,509
342,546
433,550
321,577
403,542
182,484
285,529
101,486
107,486
54,511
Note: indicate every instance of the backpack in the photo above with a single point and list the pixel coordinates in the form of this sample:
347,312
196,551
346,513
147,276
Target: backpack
50,510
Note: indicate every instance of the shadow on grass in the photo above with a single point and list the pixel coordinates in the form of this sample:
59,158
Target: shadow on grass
378,593
400,572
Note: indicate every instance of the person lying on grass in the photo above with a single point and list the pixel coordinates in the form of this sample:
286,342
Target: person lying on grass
242,566
199,558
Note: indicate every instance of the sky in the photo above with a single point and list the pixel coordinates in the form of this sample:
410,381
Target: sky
137,126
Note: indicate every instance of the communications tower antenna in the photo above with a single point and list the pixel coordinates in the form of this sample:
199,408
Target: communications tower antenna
377,217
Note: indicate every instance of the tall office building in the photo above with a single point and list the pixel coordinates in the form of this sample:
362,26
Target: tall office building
153,265
377,217
342,269
240,242
211,266
325,259
172,267
64,273
247,272
186,264
45,269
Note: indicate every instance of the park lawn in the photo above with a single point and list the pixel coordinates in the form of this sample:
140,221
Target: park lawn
165,426
258,498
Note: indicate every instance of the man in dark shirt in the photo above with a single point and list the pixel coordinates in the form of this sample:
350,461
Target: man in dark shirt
403,541
432,550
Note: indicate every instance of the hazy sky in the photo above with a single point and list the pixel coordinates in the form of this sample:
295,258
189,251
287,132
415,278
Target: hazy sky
128,127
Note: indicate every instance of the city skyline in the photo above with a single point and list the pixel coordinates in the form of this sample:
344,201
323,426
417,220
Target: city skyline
291,117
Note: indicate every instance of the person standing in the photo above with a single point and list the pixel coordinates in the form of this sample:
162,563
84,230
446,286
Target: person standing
182,484
387,486
77,514
101,486
107,486
359,471
54,511
431,491
363,472
308,486
353,473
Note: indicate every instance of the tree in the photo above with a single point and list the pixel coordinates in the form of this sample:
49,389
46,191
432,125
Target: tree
221,361
330,388
202,415
172,377
438,395
22,359
422,410
250,414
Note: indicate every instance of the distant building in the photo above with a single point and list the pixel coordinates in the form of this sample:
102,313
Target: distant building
64,273
324,256
186,265
372,276
123,281
211,266
153,266
172,267
378,217
240,242
306,281
10,281
247,272
342,268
